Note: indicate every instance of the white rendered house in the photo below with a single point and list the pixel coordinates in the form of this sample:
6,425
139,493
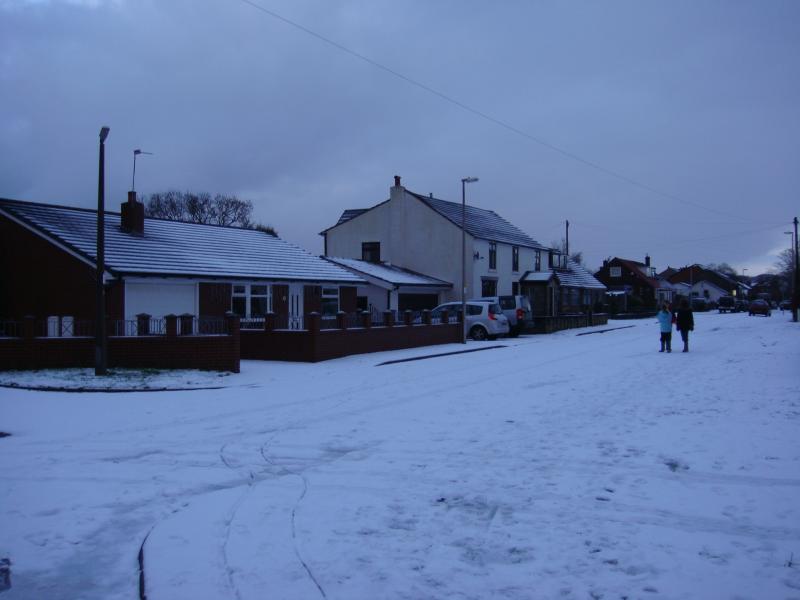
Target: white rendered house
423,234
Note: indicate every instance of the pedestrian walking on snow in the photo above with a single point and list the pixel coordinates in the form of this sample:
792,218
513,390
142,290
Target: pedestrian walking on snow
664,317
685,323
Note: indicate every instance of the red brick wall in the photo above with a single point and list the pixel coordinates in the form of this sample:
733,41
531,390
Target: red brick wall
213,353
303,346
38,278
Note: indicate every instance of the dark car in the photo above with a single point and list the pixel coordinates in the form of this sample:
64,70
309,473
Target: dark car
760,307
726,304
699,304
742,305
786,305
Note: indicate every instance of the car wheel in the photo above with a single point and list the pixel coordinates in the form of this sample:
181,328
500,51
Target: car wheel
478,333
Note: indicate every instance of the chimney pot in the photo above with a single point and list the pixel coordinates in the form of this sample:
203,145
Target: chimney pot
647,260
397,181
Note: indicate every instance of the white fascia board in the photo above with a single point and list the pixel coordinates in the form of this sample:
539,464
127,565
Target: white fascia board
55,242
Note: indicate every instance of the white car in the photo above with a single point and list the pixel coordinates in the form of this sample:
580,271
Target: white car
485,320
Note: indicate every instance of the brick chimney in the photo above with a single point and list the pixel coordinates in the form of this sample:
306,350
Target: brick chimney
397,181
132,215
647,260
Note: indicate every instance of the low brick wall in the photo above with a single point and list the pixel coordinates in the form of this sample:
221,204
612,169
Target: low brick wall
313,345
207,352
553,324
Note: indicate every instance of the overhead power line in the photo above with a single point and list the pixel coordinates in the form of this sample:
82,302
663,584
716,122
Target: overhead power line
486,116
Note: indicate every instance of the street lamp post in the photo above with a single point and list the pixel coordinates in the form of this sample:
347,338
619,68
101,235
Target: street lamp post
100,362
796,294
793,289
464,183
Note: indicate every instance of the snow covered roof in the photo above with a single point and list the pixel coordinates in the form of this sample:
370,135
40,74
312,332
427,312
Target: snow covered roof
537,276
389,273
574,276
173,248
349,214
577,276
481,223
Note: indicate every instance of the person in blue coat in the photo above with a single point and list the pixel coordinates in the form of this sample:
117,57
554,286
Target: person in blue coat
664,317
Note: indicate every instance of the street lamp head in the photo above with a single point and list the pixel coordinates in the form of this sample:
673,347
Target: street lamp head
469,180
104,134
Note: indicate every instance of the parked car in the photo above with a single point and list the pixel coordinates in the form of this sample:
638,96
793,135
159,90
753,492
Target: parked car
760,307
785,305
727,304
485,320
517,310
742,305
699,304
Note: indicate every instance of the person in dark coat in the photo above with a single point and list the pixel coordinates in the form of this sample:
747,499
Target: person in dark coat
685,323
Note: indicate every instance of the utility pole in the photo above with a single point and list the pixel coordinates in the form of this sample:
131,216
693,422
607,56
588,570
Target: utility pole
567,241
796,291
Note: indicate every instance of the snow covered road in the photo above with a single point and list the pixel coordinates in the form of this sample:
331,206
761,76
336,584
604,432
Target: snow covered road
559,466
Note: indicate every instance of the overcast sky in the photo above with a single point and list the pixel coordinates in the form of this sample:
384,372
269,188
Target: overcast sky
691,111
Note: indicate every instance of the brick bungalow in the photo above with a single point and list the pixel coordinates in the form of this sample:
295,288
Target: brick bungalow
157,267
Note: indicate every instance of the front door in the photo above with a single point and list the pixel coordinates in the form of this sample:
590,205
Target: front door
295,306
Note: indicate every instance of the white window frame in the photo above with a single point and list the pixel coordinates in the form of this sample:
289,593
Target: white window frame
615,272
248,296
328,293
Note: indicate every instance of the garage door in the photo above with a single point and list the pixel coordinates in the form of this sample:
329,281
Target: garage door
159,299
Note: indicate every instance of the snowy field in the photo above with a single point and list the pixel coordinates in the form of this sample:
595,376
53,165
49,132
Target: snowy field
560,466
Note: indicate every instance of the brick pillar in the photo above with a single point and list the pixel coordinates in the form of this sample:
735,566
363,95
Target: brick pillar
445,317
388,318
232,322
313,322
143,324
171,325
366,319
341,320
269,321
426,317
187,324
408,318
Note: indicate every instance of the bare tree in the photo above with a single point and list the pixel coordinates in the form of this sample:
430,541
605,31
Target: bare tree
191,207
723,268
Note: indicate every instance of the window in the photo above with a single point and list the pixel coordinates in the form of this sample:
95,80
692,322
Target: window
488,287
259,300
615,271
537,264
515,258
330,301
515,288
371,252
251,300
492,259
